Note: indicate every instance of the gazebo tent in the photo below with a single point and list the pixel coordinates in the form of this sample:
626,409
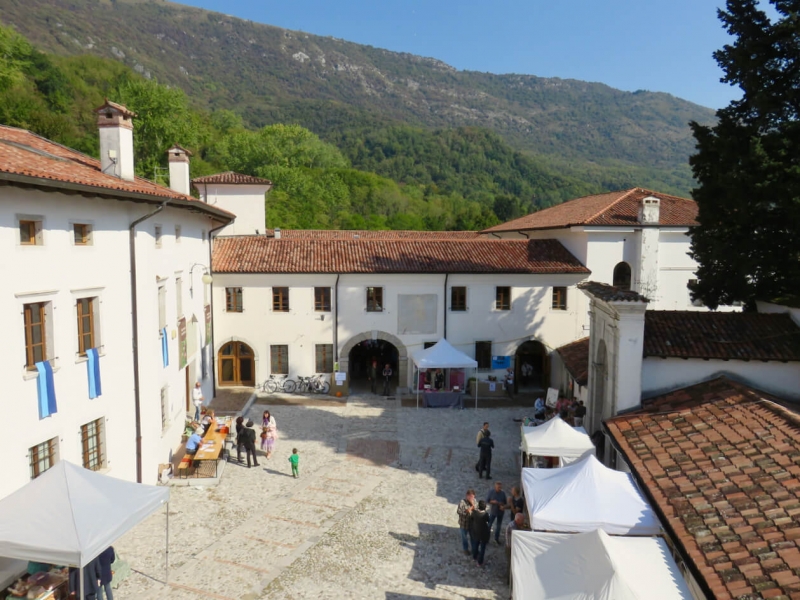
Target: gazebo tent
584,496
69,515
443,356
593,566
557,438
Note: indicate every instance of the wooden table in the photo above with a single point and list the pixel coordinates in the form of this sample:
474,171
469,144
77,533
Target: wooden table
213,443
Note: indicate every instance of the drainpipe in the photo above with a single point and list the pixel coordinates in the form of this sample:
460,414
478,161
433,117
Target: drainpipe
336,319
213,357
135,324
525,234
446,275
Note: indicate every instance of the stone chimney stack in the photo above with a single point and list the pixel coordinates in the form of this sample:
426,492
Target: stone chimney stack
647,277
650,211
178,159
116,139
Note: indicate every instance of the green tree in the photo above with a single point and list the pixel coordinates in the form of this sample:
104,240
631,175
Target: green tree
748,164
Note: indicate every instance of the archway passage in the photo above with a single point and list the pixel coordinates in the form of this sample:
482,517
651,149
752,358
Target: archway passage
532,368
622,276
360,362
237,365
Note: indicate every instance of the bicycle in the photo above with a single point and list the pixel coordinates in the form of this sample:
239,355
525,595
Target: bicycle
281,383
319,385
303,384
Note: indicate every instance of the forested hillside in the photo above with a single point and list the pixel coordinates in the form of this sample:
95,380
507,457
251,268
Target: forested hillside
342,91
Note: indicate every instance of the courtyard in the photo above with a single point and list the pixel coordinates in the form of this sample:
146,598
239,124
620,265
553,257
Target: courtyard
373,514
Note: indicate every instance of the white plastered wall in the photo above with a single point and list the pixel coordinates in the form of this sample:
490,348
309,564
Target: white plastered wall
247,202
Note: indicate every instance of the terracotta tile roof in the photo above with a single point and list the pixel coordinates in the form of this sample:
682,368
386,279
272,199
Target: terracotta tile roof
611,208
609,293
260,254
720,462
119,107
26,157
726,336
364,234
576,359
233,178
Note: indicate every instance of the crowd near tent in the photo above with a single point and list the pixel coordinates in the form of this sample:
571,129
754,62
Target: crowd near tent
442,355
584,496
593,566
557,438
69,515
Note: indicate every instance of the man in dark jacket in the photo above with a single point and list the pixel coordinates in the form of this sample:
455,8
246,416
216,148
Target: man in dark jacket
106,558
479,532
249,440
486,444
239,438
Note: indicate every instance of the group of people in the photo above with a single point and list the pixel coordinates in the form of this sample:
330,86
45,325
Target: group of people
567,409
386,374
246,440
97,576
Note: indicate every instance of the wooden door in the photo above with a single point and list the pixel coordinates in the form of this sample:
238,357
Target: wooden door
236,364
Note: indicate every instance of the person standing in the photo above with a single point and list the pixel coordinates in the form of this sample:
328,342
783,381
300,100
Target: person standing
539,409
373,375
509,383
387,377
268,422
239,438
295,460
197,400
580,413
485,460
497,501
464,510
515,525
516,503
106,558
480,531
478,438
249,439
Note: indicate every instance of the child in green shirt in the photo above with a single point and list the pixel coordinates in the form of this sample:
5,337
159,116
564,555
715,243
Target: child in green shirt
295,460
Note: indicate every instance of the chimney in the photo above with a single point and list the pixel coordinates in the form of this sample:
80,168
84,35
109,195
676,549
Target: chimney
277,233
649,211
178,159
116,139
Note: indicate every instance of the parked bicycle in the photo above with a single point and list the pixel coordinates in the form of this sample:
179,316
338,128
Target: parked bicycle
279,383
316,384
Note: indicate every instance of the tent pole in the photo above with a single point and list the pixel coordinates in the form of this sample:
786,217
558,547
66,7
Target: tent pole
476,388
416,385
166,548
80,587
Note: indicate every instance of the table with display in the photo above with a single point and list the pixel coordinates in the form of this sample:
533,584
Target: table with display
52,584
207,457
442,399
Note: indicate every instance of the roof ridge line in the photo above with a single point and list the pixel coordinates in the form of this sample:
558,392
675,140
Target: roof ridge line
608,206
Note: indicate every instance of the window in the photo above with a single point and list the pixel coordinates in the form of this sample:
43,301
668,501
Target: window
280,299
164,408
279,359
86,325
502,298
43,456
324,358
35,334
92,445
622,276
162,307
458,298
322,299
30,232
177,234
559,298
157,234
374,299
82,234
483,354
179,297
233,299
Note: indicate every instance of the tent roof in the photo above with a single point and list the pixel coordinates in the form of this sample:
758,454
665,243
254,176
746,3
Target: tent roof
556,438
442,356
593,565
584,496
69,515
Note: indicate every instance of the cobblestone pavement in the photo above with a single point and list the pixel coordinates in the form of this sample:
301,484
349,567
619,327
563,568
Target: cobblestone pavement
371,516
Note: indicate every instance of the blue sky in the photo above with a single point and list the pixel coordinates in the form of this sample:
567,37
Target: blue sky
657,45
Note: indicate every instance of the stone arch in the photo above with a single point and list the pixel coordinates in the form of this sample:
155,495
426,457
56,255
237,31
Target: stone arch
622,275
402,366
253,348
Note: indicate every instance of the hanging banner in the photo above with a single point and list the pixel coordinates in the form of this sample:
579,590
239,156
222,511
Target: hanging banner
208,325
501,362
182,347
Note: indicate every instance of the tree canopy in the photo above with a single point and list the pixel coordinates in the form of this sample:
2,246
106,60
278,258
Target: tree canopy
748,164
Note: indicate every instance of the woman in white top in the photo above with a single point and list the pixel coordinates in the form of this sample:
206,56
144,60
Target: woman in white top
271,431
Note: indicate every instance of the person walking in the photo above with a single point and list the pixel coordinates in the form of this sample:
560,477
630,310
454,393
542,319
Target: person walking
249,439
197,400
464,510
497,501
485,460
515,525
373,375
387,377
268,422
478,438
580,413
480,531
106,559
239,438
295,460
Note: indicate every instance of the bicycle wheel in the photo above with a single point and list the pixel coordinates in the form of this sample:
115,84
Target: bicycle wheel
302,386
325,387
289,386
270,386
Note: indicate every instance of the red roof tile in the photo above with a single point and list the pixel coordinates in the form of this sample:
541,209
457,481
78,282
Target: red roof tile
609,293
716,335
232,178
576,359
28,157
720,462
366,234
260,254
611,208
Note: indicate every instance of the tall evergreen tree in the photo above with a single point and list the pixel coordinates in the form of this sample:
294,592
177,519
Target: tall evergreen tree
748,164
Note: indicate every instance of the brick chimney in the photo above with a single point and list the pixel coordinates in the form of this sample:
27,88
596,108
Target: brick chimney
650,211
116,139
178,159
647,277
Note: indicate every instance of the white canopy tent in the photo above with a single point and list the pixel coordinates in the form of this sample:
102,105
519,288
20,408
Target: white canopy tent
557,438
584,496
69,515
593,566
442,355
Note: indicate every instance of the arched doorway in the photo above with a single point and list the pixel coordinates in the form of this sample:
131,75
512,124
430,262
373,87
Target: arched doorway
532,368
236,364
598,398
356,351
622,276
